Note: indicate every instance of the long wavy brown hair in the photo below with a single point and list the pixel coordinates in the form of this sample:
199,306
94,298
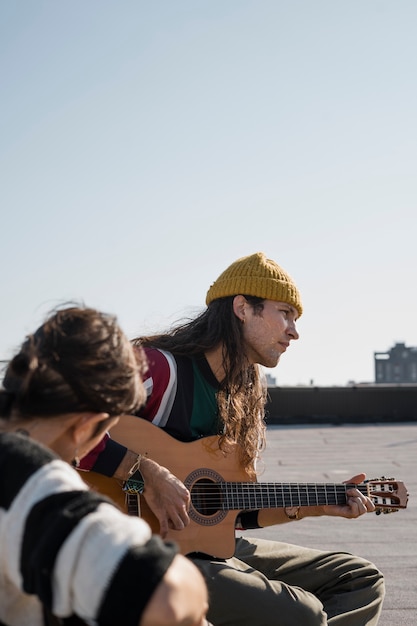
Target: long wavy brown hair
242,395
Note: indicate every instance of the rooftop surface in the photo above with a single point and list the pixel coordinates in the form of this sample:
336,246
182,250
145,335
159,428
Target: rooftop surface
326,453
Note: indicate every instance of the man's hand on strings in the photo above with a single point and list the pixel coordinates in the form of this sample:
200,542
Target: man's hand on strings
166,496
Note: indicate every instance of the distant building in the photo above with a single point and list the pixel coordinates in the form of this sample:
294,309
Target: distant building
270,380
398,365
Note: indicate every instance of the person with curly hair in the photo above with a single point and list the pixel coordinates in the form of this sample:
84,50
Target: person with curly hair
68,555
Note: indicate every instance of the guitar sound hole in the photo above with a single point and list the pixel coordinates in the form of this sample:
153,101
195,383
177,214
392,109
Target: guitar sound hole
206,497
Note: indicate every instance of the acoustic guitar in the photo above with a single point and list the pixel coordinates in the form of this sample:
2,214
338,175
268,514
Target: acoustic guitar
220,489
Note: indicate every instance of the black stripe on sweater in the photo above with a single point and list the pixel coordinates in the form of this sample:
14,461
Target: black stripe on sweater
20,457
47,527
139,573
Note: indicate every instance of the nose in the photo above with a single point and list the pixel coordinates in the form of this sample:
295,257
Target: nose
292,331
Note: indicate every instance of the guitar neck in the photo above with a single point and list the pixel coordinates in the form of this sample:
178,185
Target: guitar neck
248,496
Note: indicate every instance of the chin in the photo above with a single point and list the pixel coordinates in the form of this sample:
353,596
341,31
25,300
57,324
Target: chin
272,362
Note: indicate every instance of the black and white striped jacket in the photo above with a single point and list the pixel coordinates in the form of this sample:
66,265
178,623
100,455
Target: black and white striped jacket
67,550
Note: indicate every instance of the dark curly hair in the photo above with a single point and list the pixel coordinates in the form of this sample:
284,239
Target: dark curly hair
78,360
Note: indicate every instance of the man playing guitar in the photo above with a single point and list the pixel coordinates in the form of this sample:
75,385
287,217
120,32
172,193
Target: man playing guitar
205,379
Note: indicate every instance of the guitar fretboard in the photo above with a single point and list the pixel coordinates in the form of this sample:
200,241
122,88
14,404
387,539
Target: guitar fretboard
209,497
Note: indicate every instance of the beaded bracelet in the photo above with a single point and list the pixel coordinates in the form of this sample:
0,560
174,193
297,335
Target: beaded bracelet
135,483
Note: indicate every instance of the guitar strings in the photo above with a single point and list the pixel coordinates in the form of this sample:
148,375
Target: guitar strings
211,497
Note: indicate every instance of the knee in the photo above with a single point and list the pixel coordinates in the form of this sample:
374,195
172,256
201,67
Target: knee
372,578
379,584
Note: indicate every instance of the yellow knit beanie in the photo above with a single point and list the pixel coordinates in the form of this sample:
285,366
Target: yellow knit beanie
255,275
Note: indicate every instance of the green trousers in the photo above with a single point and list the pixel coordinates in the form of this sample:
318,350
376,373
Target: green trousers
270,583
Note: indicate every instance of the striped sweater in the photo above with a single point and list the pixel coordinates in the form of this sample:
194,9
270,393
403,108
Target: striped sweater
66,548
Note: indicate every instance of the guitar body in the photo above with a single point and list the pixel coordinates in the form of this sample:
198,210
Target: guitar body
220,489
210,532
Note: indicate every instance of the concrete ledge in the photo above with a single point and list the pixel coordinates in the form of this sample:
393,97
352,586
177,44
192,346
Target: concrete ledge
366,404
336,420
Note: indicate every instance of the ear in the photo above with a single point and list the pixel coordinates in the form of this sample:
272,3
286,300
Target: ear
239,307
86,425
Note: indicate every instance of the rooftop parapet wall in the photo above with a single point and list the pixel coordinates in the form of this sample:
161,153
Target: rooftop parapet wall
341,405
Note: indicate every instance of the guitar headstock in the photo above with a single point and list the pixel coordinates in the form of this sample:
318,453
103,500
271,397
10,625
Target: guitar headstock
388,495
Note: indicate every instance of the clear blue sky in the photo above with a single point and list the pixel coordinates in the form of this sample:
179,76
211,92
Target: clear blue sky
144,146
